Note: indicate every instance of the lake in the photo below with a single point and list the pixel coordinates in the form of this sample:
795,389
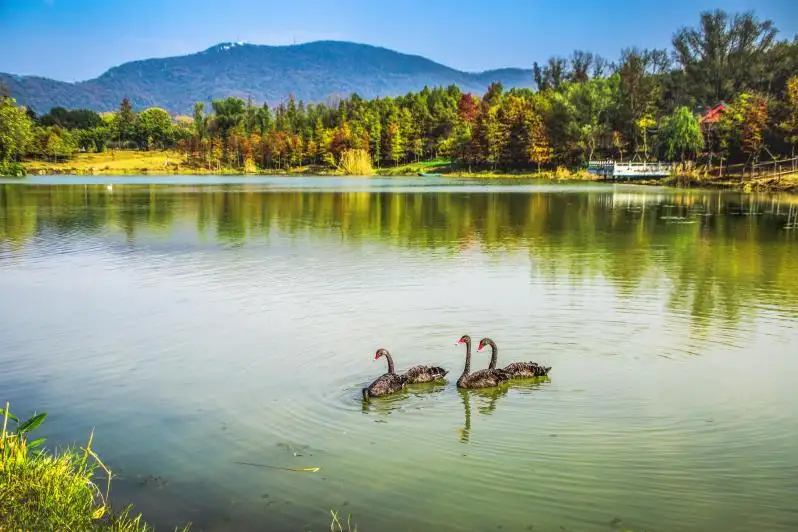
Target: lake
198,323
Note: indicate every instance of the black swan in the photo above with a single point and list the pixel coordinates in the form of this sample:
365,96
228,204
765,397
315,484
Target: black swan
516,370
387,383
484,378
419,374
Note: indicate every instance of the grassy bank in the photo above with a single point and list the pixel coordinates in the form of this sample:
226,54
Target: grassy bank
67,489
131,162
128,162
446,168
784,183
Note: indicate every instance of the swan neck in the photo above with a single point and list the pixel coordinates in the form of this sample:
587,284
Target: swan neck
390,362
467,368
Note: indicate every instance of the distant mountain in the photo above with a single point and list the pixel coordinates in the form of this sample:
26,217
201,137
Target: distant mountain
312,72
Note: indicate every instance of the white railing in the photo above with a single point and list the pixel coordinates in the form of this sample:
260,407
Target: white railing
629,169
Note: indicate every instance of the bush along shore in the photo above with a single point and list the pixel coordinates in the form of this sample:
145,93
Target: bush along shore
58,490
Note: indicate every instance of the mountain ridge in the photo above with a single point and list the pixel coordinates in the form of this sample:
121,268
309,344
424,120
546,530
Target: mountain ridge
313,72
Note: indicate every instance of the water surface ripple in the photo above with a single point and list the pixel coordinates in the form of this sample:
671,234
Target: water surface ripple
197,324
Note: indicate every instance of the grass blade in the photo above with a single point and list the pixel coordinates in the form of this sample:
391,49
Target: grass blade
36,443
9,415
32,423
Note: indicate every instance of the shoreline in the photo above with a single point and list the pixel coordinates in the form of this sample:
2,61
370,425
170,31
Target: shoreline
162,163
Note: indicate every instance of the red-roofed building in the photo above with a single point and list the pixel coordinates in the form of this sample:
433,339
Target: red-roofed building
713,114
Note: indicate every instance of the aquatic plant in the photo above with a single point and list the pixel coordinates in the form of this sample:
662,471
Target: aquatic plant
337,526
54,491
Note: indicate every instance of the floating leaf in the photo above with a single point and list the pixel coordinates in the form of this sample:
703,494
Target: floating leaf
303,469
32,423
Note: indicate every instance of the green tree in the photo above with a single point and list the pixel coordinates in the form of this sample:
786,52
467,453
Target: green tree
264,118
564,131
552,75
640,88
461,141
790,123
395,143
754,111
682,134
154,128
580,63
724,55
75,119
538,146
15,130
591,102
125,122
200,121
229,113
55,143
644,124
493,95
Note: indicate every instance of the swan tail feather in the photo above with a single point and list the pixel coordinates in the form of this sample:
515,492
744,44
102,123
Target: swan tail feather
438,372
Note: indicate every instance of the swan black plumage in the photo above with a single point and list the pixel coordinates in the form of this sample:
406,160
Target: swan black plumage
419,374
516,370
484,378
386,383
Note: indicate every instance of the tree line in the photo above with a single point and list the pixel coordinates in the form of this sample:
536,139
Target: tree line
647,105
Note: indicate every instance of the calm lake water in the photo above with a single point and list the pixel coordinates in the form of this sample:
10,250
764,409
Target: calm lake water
197,323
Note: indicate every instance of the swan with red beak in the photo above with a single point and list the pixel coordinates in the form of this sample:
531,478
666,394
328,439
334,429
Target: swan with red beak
484,378
516,370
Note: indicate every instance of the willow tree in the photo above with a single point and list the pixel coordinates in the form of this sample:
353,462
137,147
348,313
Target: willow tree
682,135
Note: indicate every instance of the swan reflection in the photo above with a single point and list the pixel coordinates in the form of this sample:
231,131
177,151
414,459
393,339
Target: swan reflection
486,404
387,404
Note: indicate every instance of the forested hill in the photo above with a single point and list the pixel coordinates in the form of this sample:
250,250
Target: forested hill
312,72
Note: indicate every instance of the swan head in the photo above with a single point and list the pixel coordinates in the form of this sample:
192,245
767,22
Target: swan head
380,353
465,339
484,343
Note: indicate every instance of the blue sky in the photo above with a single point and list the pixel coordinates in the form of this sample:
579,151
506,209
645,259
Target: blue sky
80,39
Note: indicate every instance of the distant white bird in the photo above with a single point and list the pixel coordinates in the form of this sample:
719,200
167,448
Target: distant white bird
109,187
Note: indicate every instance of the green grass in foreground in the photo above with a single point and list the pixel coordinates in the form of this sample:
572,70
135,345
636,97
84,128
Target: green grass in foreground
44,491
41,491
